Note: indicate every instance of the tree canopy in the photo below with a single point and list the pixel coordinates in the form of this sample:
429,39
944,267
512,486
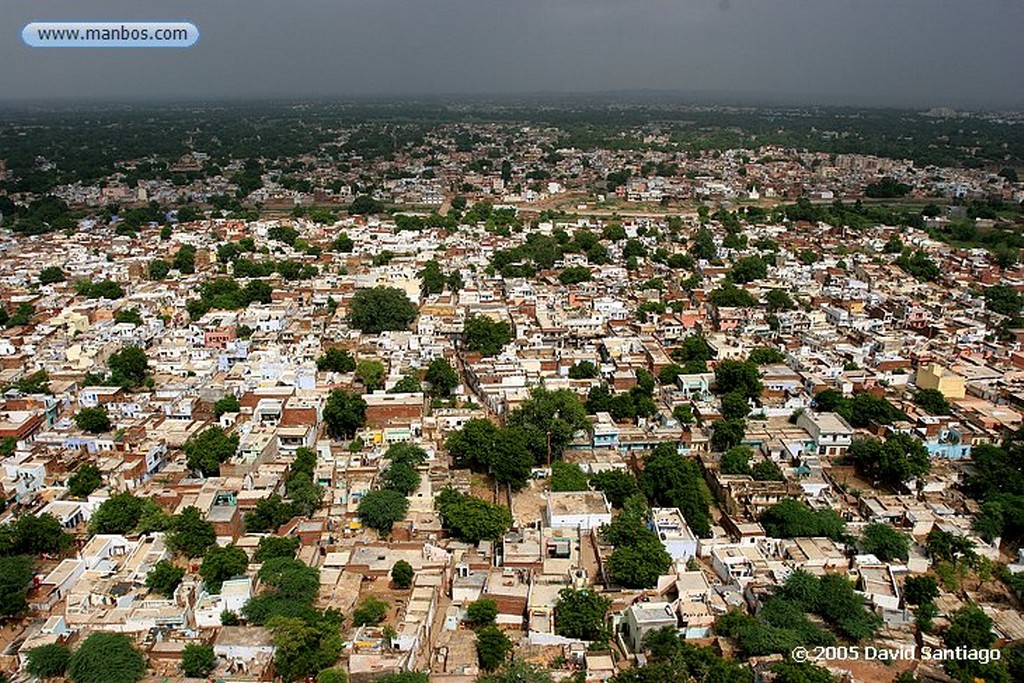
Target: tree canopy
106,658
549,420
377,309
471,519
485,336
791,518
344,413
205,451
894,462
581,614
220,564
381,509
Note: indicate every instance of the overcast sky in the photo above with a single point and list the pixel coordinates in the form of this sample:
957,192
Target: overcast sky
963,53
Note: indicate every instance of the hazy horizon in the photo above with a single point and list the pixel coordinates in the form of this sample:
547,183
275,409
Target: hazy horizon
868,53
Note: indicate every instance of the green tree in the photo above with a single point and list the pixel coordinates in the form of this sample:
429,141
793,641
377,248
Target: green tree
492,647
15,579
344,413
409,384
85,480
731,296
371,374
574,275
765,356
568,477
128,367
402,574
669,480
93,420
484,335
290,579
128,315
34,535
275,546
332,676
639,564
792,518
766,470
1003,299
119,514
164,578
736,460
432,278
48,661
894,462
885,543
515,671
801,672
726,434
748,269
336,360
220,564
549,420
683,413
471,519
441,377
401,477
227,404
370,612
158,269
364,204
197,661
617,485
742,377
305,646
917,590
269,514
735,406
305,495
190,534
581,614
377,309
204,452
585,369
932,401
779,300
106,658
381,509
969,628
343,244
482,612
51,275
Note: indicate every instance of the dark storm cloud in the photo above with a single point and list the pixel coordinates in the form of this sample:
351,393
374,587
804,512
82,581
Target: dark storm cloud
899,52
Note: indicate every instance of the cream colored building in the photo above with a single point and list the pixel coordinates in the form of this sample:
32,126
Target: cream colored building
936,376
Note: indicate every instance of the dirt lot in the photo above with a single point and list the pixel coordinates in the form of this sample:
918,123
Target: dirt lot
528,505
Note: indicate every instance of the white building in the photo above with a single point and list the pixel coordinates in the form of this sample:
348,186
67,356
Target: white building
578,510
674,533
